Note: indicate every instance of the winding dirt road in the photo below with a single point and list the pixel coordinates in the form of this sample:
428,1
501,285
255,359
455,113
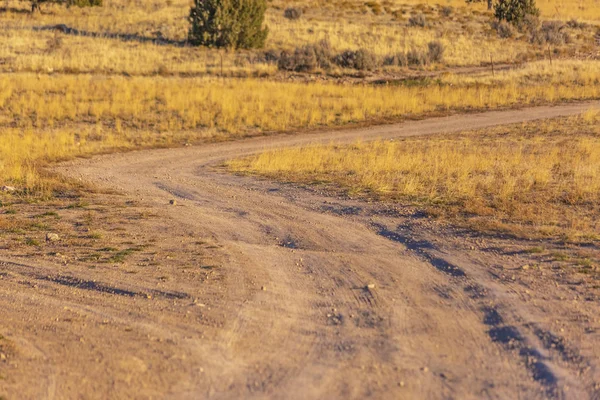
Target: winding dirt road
301,296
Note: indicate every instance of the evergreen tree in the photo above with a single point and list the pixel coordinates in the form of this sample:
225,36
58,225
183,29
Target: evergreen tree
228,23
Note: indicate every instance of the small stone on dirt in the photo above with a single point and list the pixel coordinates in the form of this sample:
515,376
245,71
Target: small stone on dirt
263,288
52,237
7,189
370,286
525,267
173,202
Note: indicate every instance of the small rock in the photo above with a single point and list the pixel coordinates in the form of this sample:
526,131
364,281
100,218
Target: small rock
173,202
425,369
52,237
525,267
370,286
263,288
7,189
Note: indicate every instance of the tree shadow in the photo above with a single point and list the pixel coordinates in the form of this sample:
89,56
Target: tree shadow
15,10
158,40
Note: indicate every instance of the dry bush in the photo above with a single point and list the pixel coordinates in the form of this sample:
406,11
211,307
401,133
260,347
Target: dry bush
292,13
307,58
360,59
574,24
418,20
436,51
446,11
418,57
503,29
550,32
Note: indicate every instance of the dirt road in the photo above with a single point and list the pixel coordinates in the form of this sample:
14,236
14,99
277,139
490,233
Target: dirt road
255,289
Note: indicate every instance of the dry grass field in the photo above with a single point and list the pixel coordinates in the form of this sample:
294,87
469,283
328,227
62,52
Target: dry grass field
54,117
121,77
119,37
533,180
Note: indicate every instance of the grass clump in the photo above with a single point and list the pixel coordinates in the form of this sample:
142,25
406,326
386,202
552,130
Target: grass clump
292,13
359,59
418,20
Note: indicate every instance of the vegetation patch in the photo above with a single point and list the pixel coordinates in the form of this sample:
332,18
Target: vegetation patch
537,179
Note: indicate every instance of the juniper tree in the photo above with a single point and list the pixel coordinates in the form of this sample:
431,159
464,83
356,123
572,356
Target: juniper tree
228,23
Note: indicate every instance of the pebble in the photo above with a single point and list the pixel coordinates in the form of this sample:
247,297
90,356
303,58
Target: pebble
371,286
173,202
52,237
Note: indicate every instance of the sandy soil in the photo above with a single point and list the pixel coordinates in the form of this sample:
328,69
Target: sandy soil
246,288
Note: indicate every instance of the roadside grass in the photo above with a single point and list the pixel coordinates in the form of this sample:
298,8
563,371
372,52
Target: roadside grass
47,118
534,180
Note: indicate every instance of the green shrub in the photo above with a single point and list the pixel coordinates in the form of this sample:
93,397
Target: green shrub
228,23
515,11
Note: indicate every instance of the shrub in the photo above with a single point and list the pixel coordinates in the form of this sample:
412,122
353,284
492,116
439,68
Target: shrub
360,59
574,24
292,13
515,11
399,60
35,4
551,32
417,57
436,51
530,24
307,58
418,20
446,11
270,56
85,3
503,29
228,23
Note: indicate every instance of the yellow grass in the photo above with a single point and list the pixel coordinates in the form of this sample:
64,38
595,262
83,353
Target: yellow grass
48,117
546,175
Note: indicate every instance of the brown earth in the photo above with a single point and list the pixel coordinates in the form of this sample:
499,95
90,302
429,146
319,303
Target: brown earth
246,288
